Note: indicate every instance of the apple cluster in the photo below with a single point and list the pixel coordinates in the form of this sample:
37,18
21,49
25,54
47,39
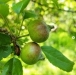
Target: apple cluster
38,32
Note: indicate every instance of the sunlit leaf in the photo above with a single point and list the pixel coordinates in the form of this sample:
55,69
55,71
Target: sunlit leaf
57,58
4,10
29,14
5,51
12,67
20,6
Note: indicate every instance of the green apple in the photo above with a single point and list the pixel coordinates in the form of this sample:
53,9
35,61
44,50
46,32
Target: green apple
38,31
31,52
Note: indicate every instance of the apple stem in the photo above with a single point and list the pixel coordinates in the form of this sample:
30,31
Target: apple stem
41,57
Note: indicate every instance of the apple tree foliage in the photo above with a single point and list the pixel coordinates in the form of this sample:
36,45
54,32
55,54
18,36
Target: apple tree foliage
14,18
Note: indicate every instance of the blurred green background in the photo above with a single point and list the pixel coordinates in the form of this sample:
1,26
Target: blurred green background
62,37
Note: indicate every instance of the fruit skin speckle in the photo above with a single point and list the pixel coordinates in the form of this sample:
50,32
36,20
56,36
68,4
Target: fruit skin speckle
30,53
38,31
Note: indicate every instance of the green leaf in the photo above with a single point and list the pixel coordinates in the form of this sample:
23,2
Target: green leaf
56,3
4,10
5,51
4,39
4,1
13,67
29,14
20,6
57,58
44,2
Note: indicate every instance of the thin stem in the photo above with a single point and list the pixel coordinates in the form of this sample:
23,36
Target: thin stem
22,36
20,27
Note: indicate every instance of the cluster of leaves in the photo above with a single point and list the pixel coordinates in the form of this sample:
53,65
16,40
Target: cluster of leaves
54,56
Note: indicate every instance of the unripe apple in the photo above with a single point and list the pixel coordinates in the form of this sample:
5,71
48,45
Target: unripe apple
38,31
31,52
